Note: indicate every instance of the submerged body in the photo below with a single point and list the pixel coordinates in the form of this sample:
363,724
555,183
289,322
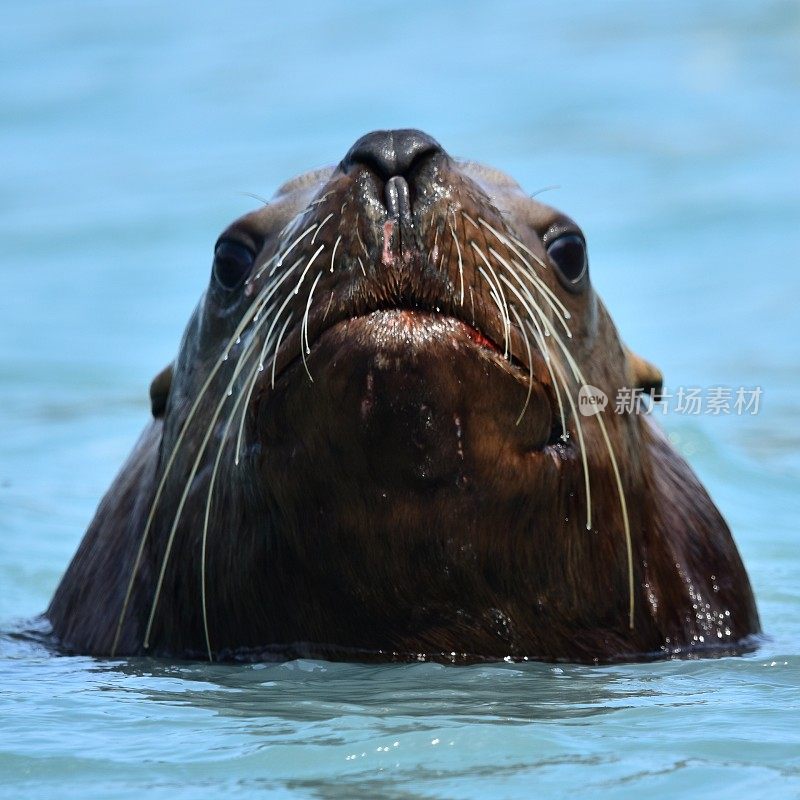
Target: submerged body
369,446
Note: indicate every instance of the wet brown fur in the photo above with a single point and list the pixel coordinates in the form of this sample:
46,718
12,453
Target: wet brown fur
387,505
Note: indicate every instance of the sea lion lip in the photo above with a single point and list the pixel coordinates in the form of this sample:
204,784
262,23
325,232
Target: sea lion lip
451,331
419,316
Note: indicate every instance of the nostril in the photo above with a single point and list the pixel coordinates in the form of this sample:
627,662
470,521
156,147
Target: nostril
390,153
397,197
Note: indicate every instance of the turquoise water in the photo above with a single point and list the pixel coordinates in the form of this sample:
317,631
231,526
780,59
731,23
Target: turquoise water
130,135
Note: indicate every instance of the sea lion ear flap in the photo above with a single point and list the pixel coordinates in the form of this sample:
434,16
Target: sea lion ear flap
644,375
159,391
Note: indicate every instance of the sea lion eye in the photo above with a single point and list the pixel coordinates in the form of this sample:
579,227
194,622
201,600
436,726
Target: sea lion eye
232,262
568,254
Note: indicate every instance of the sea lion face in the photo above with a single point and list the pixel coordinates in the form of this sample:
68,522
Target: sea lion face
397,344
372,445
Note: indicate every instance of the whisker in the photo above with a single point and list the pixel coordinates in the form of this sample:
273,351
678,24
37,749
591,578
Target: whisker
469,219
320,226
255,308
188,484
328,307
493,294
282,257
501,294
538,259
308,267
305,348
460,261
335,246
435,247
212,482
531,273
542,340
472,303
617,477
560,312
507,241
267,340
361,242
524,335
252,195
544,189
581,448
319,200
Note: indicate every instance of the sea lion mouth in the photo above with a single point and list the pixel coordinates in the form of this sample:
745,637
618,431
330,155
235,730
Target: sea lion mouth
437,348
422,313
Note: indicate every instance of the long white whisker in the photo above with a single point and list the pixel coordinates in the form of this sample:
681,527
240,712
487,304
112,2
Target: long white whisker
524,334
472,303
533,310
305,348
471,221
361,242
501,294
521,244
282,257
544,290
308,267
531,272
178,513
617,477
320,226
267,340
460,261
493,294
203,547
255,308
335,246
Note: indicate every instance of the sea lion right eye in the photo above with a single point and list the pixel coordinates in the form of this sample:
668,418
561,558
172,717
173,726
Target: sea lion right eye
232,263
568,252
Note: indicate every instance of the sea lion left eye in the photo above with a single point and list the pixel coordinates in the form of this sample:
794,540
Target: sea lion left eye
568,253
232,262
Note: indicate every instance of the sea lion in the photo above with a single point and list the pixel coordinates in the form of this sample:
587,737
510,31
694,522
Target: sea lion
368,447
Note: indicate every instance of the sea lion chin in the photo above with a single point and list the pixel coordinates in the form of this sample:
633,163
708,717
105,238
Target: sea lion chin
369,447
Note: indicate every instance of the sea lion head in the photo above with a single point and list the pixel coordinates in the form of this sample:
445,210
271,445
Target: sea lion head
390,431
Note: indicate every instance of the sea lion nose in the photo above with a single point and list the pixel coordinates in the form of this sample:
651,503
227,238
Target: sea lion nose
391,153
